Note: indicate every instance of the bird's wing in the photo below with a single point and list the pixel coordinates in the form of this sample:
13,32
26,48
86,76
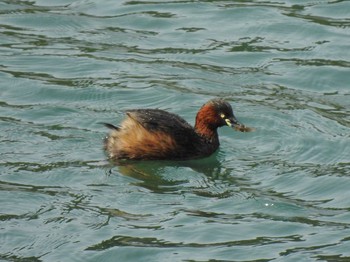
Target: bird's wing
156,120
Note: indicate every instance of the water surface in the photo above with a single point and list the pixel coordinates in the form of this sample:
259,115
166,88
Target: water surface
278,194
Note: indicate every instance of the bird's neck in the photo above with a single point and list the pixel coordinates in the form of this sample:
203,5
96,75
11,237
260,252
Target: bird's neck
206,127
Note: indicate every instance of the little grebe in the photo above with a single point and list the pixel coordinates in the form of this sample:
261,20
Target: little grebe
151,134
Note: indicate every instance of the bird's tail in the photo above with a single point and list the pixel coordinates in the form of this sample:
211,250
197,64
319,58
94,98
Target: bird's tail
110,126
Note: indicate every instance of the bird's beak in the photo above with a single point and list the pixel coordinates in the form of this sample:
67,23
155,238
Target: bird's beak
233,122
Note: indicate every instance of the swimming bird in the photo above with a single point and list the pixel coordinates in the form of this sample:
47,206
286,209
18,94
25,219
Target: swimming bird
154,134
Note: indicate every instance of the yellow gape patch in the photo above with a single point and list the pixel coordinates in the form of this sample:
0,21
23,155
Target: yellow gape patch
228,122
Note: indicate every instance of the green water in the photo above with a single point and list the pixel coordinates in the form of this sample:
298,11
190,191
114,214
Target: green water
278,194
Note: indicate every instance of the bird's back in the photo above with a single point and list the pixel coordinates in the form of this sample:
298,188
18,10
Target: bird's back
153,134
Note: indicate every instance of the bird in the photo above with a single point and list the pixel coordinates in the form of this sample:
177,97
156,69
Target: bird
155,134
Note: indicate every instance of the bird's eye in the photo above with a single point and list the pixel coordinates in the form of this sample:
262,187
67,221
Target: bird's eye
222,115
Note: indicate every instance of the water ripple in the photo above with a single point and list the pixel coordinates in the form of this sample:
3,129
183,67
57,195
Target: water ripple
153,242
279,193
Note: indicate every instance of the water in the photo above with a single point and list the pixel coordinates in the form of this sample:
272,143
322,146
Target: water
278,194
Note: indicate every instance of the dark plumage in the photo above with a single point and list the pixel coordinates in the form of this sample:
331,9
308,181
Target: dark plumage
157,134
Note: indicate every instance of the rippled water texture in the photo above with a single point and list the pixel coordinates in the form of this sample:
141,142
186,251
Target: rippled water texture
280,193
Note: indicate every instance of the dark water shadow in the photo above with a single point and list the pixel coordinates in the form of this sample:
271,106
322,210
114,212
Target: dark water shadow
205,177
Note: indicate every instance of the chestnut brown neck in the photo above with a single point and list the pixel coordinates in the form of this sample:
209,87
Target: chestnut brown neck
206,123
